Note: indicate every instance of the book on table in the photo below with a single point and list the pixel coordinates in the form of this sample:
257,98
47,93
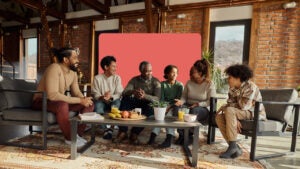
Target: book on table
91,116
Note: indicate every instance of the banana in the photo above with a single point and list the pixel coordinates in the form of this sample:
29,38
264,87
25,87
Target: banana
112,115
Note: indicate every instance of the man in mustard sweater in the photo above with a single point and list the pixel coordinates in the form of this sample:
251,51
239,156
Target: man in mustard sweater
56,81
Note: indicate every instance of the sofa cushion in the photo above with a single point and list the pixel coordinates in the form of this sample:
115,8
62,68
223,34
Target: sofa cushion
18,114
279,112
269,125
17,99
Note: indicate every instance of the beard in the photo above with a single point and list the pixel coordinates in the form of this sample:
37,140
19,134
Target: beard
74,67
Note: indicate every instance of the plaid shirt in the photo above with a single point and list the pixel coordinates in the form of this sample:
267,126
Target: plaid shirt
244,98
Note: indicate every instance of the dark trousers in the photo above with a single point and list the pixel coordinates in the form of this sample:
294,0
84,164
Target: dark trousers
61,110
129,103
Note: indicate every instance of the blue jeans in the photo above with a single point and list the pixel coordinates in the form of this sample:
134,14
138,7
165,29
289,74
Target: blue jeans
172,112
102,107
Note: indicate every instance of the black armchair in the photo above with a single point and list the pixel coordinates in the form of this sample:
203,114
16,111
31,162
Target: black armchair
280,104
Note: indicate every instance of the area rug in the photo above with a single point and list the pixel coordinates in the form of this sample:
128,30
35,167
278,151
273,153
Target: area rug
104,154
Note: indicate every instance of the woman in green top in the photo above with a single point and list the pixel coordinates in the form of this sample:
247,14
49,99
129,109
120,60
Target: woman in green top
171,89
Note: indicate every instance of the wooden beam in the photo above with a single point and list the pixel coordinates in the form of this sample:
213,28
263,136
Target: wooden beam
158,3
205,29
12,16
98,6
149,22
37,5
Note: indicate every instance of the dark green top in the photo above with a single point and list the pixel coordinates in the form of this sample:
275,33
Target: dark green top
169,92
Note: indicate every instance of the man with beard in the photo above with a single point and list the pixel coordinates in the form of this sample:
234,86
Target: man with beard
140,91
58,79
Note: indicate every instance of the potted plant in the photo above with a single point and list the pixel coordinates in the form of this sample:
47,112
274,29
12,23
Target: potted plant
217,75
159,108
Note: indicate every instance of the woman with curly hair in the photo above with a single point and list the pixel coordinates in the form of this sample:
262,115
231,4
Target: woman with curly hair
240,106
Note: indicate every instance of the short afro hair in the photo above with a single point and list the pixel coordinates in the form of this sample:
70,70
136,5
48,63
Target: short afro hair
106,61
243,72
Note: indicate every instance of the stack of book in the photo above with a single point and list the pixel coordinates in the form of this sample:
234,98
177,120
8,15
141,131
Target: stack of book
91,116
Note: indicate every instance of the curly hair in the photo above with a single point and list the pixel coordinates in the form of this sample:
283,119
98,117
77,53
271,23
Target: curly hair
243,72
106,61
168,69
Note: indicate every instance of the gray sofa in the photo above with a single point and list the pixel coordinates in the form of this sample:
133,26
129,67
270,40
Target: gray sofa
15,108
280,106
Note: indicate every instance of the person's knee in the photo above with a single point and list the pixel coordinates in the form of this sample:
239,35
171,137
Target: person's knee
99,107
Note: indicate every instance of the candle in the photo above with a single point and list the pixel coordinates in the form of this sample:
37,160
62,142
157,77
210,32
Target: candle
85,90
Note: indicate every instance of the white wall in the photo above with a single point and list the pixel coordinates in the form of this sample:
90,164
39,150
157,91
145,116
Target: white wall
110,24
231,13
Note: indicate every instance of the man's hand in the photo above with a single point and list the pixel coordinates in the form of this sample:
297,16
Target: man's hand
86,101
106,97
139,93
221,109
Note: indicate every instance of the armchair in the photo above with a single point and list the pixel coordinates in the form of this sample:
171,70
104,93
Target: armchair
280,104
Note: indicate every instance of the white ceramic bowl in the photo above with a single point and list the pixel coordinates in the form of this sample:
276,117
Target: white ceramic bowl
190,117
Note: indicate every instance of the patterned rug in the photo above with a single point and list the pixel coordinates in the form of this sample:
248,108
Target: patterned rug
106,155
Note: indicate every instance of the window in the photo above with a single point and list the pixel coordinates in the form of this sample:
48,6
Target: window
30,58
229,40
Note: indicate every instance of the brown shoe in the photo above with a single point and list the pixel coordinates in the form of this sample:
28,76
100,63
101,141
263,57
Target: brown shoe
120,137
134,139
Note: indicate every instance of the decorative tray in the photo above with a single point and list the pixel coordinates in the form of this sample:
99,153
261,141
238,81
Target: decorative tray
142,117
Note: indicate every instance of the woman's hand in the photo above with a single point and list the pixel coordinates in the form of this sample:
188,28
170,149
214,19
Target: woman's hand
194,105
178,102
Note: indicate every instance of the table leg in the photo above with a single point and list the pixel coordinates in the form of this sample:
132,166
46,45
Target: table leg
186,137
195,147
74,139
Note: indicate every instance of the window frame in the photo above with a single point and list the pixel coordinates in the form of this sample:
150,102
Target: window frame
247,33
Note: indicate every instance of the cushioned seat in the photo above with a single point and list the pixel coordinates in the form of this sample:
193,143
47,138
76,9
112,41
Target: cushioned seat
15,108
19,114
280,104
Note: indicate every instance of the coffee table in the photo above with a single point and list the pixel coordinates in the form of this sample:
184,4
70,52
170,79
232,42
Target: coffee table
169,122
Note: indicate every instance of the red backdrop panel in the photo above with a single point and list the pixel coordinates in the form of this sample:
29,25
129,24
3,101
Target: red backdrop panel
160,50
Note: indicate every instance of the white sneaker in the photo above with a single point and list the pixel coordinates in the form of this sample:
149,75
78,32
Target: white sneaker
81,139
79,143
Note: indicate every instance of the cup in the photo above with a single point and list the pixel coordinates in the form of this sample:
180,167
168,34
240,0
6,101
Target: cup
138,110
181,113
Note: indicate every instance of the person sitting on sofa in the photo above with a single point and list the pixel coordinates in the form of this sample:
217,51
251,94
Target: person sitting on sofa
140,91
107,89
59,78
196,94
171,89
240,106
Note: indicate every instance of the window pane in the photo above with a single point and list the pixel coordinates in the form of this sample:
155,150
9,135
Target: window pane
229,41
31,53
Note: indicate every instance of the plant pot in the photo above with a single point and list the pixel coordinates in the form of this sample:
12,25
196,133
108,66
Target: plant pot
159,113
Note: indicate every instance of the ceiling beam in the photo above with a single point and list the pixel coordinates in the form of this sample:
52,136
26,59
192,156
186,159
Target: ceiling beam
158,3
12,16
37,5
98,6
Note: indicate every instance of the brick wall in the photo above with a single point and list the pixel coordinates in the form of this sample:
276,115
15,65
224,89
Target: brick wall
277,45
80,37
192,23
